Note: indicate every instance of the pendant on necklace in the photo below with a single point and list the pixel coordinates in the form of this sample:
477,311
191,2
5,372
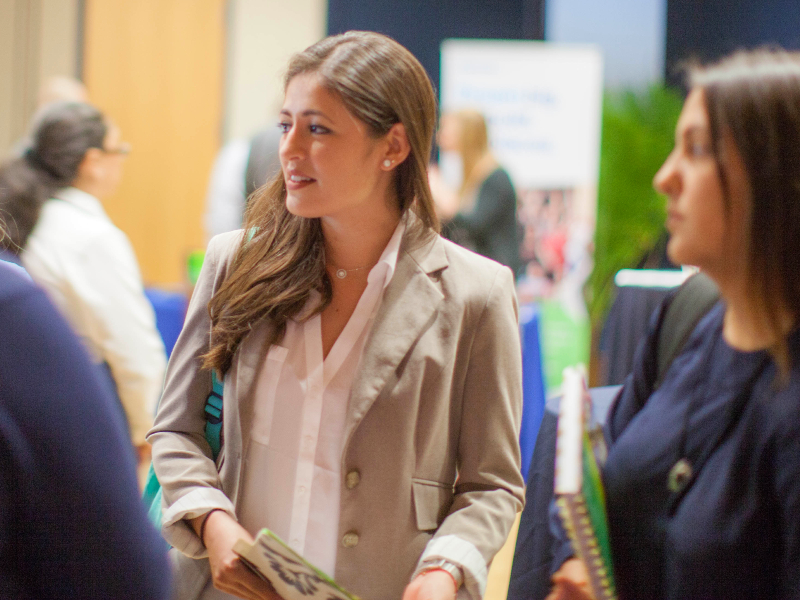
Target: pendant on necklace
341,273
679,476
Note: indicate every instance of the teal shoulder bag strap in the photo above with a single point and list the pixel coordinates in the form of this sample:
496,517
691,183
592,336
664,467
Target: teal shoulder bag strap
214,416
214,437
213,411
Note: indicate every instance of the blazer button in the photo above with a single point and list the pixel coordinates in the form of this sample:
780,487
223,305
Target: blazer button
350,539
353,479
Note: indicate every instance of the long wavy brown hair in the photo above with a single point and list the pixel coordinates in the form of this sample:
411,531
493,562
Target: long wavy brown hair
281,260
754,97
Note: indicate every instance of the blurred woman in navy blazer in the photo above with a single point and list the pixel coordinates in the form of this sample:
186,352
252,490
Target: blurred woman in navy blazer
703,473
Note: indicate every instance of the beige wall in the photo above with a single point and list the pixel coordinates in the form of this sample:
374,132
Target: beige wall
262,35
181,77
38,39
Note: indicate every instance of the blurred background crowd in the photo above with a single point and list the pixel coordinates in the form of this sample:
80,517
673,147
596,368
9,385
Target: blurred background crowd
194,87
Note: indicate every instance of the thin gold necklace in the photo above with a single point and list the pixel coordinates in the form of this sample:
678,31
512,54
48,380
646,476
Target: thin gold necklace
342,273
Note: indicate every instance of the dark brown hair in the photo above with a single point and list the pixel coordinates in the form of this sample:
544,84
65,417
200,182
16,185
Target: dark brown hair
61,135
754,98
281,261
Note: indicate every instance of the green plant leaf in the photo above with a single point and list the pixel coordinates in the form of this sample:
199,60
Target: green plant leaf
638,134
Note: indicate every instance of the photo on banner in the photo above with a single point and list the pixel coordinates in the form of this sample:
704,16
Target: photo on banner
542,103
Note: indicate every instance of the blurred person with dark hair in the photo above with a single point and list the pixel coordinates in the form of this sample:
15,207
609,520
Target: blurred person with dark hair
482,214
50,202
72,524
702,478
59,88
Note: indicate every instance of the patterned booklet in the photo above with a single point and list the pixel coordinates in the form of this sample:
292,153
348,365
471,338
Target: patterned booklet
580,498
293,577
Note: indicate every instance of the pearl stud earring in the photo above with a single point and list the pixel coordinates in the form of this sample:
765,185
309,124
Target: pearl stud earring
387,163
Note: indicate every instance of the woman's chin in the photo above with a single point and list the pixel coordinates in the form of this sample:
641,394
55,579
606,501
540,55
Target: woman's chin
300,209
676,252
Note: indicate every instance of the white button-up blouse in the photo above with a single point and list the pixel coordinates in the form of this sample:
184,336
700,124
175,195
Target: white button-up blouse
292,473
89,270
292,476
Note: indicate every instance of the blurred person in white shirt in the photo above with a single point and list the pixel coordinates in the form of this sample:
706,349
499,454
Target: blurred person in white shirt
50,198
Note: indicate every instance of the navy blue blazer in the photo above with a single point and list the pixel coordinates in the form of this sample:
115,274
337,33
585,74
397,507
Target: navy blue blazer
734,531
72,524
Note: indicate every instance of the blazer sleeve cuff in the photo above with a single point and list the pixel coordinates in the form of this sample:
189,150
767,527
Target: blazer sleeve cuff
466,556
177,531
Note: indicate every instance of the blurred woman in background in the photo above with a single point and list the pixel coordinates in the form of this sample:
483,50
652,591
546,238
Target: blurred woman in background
372,370
703,473
482,214
50,200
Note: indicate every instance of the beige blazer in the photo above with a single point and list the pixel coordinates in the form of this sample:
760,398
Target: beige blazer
431,443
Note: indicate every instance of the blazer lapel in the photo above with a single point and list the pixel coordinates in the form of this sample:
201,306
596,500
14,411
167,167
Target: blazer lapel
409,305
252,353
240,390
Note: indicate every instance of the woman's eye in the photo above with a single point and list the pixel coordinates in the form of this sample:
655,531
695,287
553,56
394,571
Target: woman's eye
699,150
318,129
284,127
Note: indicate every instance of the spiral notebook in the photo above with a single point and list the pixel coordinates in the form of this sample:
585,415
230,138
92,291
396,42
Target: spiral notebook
579,493
293,577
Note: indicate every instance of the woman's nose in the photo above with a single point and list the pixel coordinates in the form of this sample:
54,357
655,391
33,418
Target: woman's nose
290,145
666,180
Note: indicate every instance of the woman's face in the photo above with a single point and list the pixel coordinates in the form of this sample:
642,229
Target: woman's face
704,232
100,170
112,159
449,135
331,164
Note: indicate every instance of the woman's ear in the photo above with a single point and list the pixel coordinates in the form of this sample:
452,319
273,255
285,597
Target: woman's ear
91,166
397,147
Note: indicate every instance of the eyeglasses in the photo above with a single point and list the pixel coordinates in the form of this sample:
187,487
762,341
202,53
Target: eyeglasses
123,148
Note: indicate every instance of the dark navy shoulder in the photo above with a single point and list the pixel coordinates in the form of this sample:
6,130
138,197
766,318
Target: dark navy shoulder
781,400
14,282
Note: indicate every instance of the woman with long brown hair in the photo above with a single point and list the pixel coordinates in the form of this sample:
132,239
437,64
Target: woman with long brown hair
703,472
372,384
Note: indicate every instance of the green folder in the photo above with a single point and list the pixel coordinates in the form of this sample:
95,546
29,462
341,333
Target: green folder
578,486
292,576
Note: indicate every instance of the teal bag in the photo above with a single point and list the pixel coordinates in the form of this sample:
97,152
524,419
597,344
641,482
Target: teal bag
152,488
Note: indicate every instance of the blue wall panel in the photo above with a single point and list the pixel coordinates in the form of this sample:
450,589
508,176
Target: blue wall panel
709,29
421,25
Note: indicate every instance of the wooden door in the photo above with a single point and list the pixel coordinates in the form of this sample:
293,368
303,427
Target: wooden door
155,67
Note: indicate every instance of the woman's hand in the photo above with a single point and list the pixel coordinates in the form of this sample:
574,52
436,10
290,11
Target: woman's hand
229,573
431,585
571,582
